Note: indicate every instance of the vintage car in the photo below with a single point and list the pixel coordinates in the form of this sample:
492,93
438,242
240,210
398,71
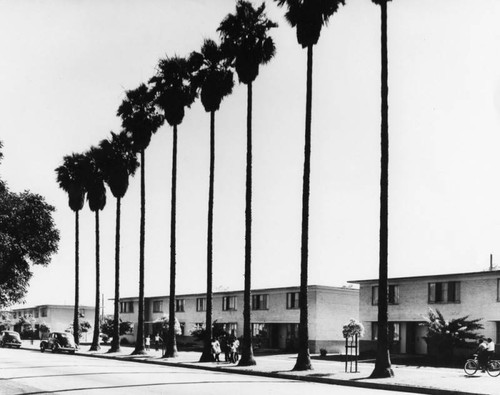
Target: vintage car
59,341
10,339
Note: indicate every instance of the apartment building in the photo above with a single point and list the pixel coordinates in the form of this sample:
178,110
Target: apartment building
275,315
56,317
474,294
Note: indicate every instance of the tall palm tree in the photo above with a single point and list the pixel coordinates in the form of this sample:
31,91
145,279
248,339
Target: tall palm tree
70,178
140,120
174,92
213,78
383,361
96,197
245,39
308,16
117,161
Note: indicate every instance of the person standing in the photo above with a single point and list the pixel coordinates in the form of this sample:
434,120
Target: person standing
157,341
490,349
148,342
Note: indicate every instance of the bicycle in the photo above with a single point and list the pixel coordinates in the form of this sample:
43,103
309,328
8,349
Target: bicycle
472,366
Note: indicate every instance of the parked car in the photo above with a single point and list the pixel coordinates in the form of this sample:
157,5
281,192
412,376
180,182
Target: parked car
10,339
59,341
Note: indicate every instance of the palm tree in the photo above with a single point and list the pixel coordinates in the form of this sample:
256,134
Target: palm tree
174,92
96,196
383,361
215,81
140,120
245,40
117,161
70,178
308,16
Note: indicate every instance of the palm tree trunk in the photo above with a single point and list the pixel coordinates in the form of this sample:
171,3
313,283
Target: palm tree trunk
207,355
171,349
303,358
115,345
76,314
247,358
95,340
383,362
139,341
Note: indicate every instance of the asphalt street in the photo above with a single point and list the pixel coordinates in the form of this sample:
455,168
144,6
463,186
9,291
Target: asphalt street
31,372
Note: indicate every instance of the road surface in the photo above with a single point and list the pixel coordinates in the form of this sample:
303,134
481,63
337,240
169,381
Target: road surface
31,372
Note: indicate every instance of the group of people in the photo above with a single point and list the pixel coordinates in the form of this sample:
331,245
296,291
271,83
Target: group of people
485,352
158,341
228,345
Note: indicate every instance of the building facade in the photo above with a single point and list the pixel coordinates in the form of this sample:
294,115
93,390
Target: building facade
57,317
476,295
275,315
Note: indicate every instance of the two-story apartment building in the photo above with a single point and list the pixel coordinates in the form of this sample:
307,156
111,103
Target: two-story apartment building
275,314
474,294
56,317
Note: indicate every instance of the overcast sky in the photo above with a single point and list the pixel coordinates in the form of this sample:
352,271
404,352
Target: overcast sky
64,68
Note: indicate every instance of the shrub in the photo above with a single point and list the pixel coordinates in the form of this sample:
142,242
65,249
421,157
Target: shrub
322,352
445,335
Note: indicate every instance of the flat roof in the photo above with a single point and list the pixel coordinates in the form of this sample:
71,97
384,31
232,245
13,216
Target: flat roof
427,276
254,291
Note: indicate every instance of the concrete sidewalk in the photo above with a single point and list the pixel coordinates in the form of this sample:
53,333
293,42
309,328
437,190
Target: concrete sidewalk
425,380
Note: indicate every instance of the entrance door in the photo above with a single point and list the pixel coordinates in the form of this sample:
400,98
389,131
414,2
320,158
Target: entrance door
411,333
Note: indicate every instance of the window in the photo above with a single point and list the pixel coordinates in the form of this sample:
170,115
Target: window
498,291
43,312
259,330
36,313
392,295
179,305
444,292
158,306
292,300
201,304
259,302
393,329
126,307
231,328
229,303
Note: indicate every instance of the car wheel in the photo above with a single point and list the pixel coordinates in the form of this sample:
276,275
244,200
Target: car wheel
42,347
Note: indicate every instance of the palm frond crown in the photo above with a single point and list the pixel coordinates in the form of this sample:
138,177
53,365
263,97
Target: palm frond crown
71,177
309,16
211,75
139,116
94,181
245,39
117,161
172,88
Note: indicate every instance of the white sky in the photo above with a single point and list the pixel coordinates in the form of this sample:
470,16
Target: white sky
64,67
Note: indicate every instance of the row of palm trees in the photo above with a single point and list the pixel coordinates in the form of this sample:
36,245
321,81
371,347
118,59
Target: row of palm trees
245,45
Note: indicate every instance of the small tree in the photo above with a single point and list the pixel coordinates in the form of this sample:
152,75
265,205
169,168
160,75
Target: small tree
352,329
5,321
107,326
445,335
199,332
84,328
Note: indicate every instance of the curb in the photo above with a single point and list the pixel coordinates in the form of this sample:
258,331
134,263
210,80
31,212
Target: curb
321,380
